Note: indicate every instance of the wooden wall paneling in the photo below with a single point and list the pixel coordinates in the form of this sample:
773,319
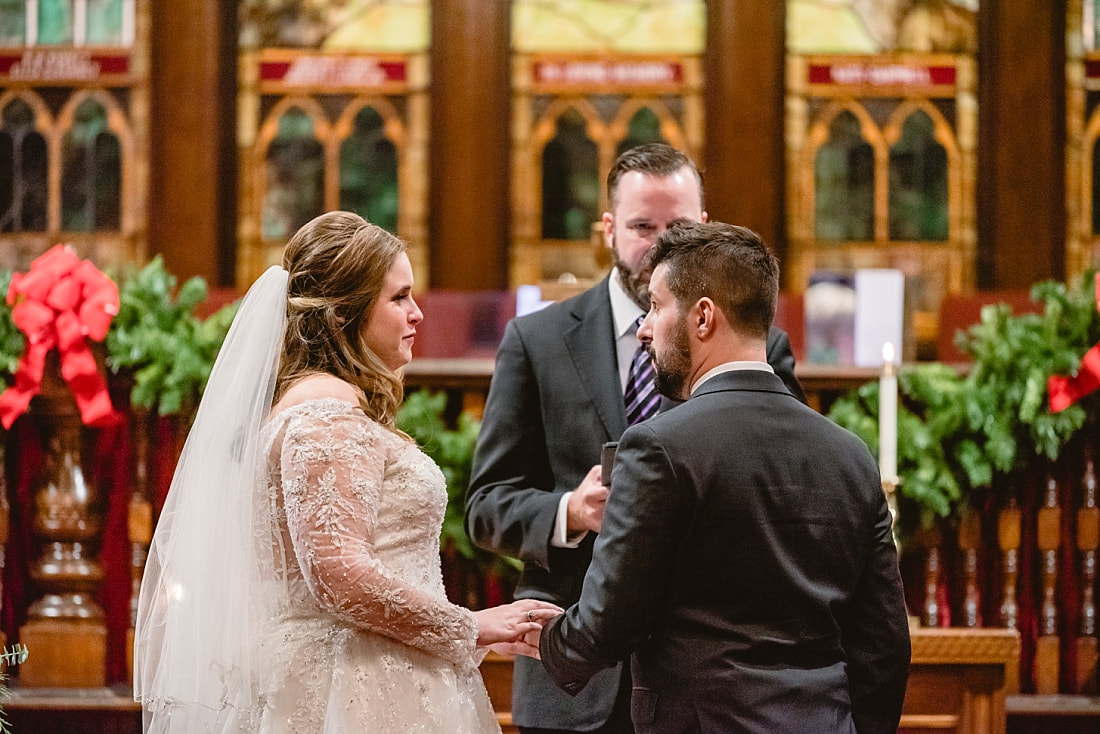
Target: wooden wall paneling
192,203
743,98
1021,148
469,144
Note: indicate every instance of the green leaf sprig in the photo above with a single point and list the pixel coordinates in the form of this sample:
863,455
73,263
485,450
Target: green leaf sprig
157,335
13,655
12,341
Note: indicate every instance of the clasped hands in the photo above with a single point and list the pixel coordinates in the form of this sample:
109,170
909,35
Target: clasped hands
513,629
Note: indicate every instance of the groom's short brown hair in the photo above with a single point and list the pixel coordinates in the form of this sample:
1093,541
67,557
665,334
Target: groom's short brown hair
726,263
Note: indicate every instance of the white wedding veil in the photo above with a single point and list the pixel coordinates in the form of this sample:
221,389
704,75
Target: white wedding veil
195,667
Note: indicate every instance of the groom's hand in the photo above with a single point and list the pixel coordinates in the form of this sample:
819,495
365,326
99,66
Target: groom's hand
517,647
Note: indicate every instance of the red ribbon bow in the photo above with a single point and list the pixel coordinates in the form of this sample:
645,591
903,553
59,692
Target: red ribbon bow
1064,391
61,302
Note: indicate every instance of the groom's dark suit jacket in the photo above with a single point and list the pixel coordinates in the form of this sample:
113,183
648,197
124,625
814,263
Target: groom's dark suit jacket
555,399
746,561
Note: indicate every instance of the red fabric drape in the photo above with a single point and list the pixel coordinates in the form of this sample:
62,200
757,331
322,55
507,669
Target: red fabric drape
108,463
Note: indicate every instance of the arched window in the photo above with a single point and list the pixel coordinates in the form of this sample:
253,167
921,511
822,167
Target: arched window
918,182
91,176
570,181
844,183
644,127
74,118
368,171
295,172
24,189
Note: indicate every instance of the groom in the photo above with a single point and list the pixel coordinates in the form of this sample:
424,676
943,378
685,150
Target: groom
746,563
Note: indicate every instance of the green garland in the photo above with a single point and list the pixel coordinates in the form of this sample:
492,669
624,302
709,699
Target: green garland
955,432
155,335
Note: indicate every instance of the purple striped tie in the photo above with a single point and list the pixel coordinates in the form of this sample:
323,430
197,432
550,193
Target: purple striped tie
641,397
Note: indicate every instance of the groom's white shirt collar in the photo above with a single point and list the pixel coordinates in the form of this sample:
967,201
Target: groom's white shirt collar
730,367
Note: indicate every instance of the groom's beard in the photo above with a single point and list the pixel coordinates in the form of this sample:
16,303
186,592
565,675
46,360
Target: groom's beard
673,363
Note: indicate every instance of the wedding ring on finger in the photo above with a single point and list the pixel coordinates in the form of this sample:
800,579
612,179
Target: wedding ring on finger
530,616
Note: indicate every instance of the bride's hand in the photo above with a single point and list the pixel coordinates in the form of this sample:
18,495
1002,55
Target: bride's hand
509,623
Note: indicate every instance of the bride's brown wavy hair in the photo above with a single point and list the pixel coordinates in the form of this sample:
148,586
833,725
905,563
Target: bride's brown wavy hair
336,265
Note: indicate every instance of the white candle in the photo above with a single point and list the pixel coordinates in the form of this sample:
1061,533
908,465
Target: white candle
888,416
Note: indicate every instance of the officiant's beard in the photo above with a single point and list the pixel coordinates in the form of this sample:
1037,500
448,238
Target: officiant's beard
673,363
635,283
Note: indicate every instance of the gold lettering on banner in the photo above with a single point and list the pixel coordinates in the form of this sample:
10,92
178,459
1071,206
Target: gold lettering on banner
309,71
882,75
597,72
54,65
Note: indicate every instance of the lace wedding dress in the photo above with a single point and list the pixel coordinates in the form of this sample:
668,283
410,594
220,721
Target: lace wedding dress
361,637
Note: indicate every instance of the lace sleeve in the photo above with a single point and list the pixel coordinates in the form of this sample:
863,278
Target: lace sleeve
332,470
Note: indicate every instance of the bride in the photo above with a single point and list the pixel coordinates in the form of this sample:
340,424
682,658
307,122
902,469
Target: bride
293,583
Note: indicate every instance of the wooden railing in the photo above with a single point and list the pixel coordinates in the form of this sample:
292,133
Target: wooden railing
468,380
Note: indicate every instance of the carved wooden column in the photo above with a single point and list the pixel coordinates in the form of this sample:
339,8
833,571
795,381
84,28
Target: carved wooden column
1088,540
970,542
930,614
1008,537
1047,654
65,627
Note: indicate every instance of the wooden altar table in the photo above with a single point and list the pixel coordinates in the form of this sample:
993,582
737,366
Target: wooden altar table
470,377
957,682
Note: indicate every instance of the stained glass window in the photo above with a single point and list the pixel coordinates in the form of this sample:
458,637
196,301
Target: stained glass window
368,171
630,26
91,174
363,25
295,191
13,22
918,182
861,27
23,165
104,24
644,127
570,181
55,22
844,183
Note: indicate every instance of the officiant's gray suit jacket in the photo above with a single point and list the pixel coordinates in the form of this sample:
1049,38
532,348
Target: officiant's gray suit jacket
555,399
749,567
